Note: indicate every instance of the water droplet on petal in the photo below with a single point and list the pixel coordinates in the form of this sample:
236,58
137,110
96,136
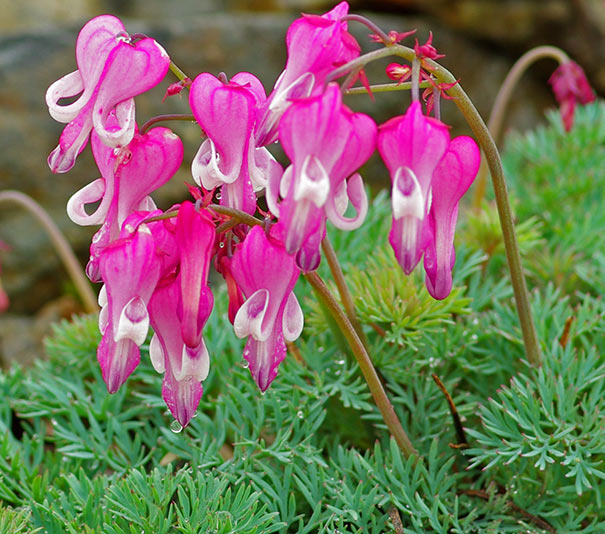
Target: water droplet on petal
176,427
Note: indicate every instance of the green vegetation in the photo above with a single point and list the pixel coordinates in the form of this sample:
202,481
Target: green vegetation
312,455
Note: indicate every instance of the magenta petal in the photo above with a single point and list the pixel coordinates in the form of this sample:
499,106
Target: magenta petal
264,357
195,236
181,396
411,146
154,159
250,82
452,178
266,274
315,126
117,360
226,113
184,368
130,271
316,46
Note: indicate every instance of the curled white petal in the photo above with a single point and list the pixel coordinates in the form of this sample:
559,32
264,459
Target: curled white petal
89,194
69,85
156,354
293,319
249,318
205,167
407,198
133,322
195,363
352,191
313,182
125,115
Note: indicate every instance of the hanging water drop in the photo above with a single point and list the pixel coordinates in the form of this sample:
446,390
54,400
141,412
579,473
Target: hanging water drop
176,427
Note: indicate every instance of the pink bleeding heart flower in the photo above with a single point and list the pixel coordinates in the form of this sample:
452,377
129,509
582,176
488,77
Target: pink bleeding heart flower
411,146
195,236
130,271
326,142
229,157
570,85
316,46
451,179
271,315
129,176
184,368
112,69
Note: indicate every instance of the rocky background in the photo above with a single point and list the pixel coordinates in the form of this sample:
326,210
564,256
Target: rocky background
482,38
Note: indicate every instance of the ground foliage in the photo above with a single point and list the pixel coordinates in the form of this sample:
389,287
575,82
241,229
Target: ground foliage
312,455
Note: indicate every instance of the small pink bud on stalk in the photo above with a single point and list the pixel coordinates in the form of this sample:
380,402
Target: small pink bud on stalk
570,85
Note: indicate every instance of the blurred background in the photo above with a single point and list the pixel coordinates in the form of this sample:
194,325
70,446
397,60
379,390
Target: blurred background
481,40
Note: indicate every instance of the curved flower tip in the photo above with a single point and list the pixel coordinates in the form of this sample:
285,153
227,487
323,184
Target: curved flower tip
451,179
271,315
184,368
181,397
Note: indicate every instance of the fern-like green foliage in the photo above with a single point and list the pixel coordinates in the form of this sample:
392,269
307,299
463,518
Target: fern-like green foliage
313,455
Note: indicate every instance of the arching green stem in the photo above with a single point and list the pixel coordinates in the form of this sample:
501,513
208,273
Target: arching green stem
492,156
343,290
163,118
177,72
61,245
496,116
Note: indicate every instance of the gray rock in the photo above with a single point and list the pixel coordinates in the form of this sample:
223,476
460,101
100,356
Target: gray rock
31,60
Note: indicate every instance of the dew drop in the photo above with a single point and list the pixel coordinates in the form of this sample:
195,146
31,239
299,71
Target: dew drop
299,414
340,362
218,196
221,245
176,427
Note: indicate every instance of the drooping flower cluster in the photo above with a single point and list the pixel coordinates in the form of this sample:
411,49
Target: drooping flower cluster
430,174
154,265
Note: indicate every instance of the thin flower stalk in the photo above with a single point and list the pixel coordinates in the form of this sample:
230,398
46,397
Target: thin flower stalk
61,245
497,113
385,88
343,290
365,364
164,118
